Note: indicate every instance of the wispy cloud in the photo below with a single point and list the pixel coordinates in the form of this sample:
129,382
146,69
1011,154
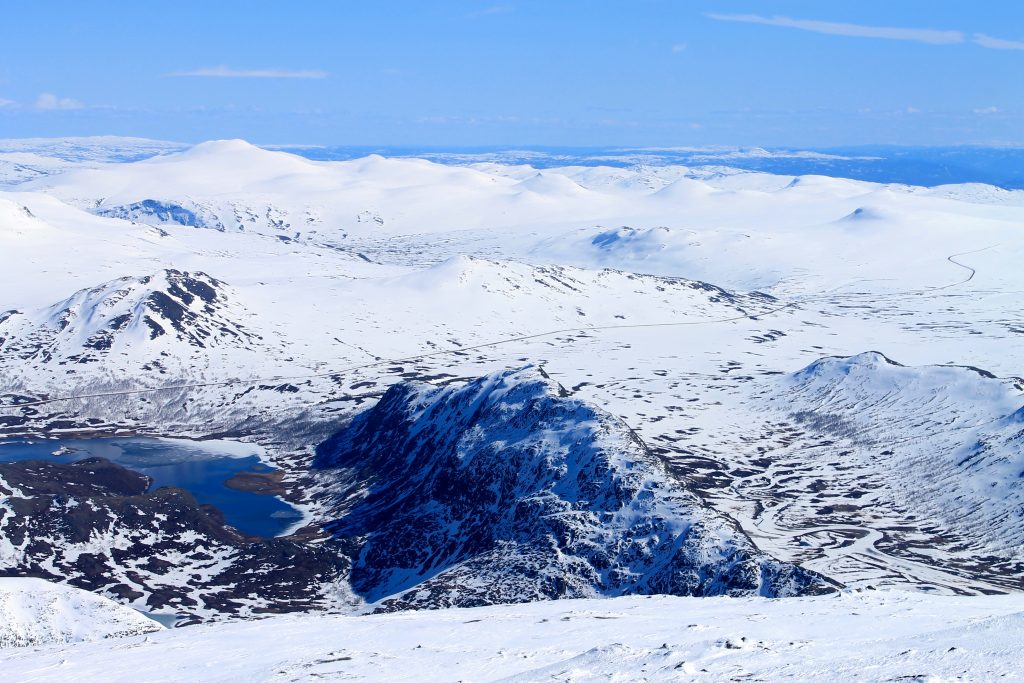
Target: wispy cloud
997,43
48,101
487,11
678,47
228,72
4,104
918,35
988,110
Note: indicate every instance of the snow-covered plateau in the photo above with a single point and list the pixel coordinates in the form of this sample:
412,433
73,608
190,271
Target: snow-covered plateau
580,422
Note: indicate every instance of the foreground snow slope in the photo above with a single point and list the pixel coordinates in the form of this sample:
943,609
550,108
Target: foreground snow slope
37,612
864,636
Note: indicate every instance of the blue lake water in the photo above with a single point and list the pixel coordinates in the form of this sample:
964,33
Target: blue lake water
199,467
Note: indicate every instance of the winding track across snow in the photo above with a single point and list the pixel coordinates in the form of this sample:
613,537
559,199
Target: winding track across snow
952,259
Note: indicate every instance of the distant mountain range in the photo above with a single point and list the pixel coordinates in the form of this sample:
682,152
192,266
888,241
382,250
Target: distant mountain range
23,159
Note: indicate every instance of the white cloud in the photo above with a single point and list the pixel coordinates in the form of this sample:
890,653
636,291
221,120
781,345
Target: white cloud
228,72
678,47
997,43
988,110
919,35
4,104
49,101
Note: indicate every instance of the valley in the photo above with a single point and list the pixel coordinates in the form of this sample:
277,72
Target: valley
478,384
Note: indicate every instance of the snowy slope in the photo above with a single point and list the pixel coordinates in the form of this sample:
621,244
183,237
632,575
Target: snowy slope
944,441
769,228
867,471
36,612
156,331
232,185
864,636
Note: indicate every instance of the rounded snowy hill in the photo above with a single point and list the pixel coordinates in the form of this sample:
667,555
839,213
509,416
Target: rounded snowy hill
743,230
34,612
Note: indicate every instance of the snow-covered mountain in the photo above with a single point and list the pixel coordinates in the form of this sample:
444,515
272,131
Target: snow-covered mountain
766,227
232,185
168,327
505,491
190,309
868,471
502,490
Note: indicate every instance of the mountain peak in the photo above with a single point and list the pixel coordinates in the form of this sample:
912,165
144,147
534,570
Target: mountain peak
231,146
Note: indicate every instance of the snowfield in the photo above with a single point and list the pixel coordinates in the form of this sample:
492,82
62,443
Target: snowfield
863,636
803,377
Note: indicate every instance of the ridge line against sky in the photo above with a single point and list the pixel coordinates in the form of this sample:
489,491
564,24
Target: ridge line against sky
573,73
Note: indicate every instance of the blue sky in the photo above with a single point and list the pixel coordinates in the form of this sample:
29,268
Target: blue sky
521,72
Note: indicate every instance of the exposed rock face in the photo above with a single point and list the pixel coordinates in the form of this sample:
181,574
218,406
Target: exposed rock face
92,524
505,491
